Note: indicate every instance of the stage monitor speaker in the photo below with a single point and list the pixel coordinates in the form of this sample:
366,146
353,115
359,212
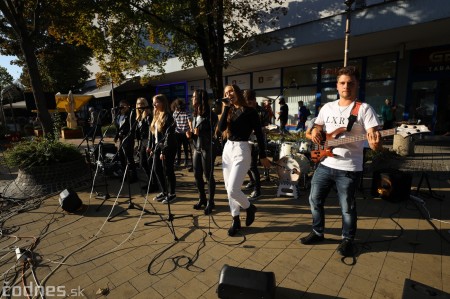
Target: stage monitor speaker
391,184
239,283
69,201
417,290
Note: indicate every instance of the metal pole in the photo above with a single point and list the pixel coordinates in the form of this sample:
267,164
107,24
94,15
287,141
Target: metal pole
112,93
347,29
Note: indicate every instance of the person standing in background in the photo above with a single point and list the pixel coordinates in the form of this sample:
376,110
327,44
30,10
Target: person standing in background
143,120
163,145
303,114
253,173
388,114
181,118
95,128
283,115
267,105
125,134
204,122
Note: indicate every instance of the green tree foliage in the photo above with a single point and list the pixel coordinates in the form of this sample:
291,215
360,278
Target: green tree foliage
5,78
128,35
25,33
20,27
62,66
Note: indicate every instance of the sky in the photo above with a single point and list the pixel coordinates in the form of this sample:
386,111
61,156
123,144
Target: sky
13,70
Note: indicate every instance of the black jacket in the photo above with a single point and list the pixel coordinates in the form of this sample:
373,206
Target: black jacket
123,130
166,137
206,126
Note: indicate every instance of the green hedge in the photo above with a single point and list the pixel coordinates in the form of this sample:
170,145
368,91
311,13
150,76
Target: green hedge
40,152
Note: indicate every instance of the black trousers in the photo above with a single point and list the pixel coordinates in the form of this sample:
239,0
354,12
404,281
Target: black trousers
203,164
146,163
253,172
182,140
126,155
165,169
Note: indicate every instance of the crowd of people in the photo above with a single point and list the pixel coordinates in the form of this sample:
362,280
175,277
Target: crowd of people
161,130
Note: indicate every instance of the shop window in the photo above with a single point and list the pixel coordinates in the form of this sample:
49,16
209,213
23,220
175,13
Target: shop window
329,70
381,66
300,75
377,92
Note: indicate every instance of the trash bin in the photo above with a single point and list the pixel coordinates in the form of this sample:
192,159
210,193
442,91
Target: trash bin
403,146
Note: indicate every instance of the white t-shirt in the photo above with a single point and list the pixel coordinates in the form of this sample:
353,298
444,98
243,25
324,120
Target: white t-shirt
348,156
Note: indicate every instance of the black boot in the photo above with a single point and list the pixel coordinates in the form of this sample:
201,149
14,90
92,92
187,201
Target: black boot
209,207
250,215
200,204
235,226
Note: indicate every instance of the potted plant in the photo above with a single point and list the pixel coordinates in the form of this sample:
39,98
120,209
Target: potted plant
69,133
45,165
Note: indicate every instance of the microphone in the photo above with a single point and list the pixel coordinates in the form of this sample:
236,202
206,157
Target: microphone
223,100
142,108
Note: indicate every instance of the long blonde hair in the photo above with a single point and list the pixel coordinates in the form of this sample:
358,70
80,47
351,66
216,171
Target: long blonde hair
142,114
159,116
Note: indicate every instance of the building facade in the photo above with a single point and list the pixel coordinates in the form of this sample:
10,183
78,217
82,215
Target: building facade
402,49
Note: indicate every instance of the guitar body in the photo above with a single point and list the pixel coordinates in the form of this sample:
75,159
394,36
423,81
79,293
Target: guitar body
325,149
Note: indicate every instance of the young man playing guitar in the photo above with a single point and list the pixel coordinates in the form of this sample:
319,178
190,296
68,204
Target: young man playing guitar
342,167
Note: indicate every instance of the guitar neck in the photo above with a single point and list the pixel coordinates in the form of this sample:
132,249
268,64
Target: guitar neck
360,137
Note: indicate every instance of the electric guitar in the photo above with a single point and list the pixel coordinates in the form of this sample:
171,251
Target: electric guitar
332,139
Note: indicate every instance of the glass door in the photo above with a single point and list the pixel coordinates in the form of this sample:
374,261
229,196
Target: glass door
423,106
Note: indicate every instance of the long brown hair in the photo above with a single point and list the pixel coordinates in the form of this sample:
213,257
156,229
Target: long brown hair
159,116
240,100
202,104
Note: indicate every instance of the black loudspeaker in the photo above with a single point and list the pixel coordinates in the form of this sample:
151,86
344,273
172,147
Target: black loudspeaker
238,283
391,184
417,290
69,201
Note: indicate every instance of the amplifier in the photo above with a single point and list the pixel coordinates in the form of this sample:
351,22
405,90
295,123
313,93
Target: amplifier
239,283
391,184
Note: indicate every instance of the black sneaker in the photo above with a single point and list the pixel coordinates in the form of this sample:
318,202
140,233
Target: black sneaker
249,186
169,198
159,197
346,248
254,195
251,211
312,238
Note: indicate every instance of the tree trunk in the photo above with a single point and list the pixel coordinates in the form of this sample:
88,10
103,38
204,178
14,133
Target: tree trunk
36,84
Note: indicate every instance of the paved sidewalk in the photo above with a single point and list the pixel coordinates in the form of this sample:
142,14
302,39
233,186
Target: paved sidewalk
124,258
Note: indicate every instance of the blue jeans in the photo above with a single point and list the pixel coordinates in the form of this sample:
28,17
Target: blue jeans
346,183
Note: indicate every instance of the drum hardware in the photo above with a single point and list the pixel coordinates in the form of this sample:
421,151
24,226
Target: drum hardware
304,146
289,189
290,170
288,149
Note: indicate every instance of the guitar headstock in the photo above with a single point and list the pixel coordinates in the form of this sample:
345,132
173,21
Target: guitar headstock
407,130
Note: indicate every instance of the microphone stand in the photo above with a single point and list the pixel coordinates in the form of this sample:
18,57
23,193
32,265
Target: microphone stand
211,171
97,154
105,196
93,131
170,217
122,148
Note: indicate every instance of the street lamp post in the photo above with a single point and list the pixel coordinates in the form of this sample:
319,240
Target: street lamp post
348,11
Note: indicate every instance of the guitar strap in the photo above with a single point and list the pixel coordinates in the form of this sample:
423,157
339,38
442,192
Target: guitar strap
353,115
